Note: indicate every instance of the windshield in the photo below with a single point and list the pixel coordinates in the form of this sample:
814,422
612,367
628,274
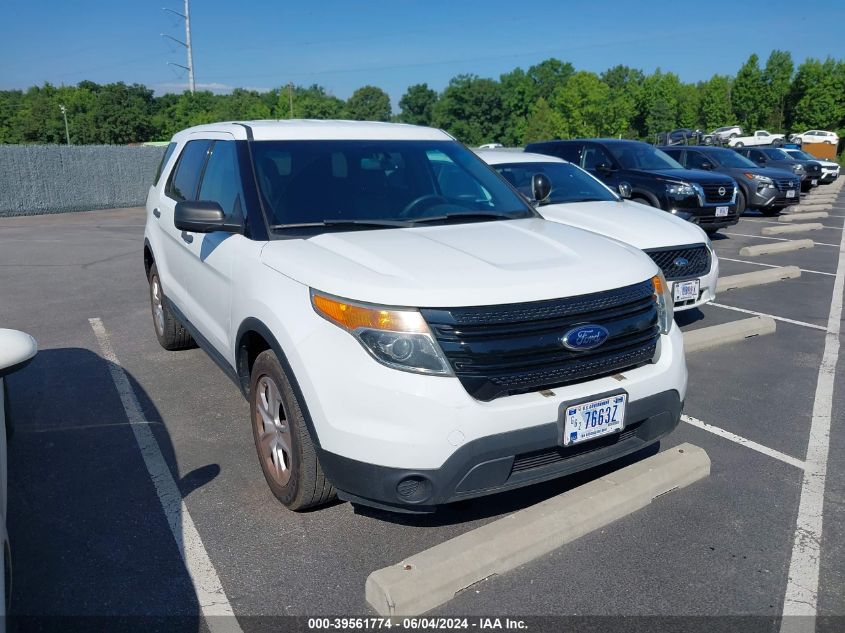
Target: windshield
569,183
797,153
729,158
642,156
776,154
378,183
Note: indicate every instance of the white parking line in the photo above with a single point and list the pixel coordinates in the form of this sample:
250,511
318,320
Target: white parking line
778,239
745,261
733,437
802,588
771,316
210,595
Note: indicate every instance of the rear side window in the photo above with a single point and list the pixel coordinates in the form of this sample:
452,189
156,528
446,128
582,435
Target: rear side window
695,160
676,154
221,182
593,156
186,175
167,154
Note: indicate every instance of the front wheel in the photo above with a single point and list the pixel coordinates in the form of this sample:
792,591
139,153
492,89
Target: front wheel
740,203
769,213
285,449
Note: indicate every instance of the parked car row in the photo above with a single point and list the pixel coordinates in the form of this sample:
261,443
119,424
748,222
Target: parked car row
733,136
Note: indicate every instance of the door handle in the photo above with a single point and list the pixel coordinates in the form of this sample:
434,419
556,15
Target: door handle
157,213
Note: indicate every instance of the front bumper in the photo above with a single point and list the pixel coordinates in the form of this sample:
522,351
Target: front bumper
706,287
371,422
500,462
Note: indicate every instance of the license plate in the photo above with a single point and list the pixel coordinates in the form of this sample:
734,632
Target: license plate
721,211
815,181
685,290
590,420
790,193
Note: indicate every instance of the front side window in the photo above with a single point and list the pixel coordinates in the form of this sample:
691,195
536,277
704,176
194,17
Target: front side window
642,156
569,184
730,158
221,181
697,160
186,176
593,156
372,183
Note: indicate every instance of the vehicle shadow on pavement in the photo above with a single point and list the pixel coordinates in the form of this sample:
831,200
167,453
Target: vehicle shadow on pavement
506,502
91,546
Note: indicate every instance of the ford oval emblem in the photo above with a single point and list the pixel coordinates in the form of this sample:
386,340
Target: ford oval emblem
722,191
584,337
680,262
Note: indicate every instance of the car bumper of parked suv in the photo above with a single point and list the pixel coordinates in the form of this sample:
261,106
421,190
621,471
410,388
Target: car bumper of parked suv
410,442
697,257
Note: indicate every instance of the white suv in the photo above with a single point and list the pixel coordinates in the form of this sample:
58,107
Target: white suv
572,196
407,329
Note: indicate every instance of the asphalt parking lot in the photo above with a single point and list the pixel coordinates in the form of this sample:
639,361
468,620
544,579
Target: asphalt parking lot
90,538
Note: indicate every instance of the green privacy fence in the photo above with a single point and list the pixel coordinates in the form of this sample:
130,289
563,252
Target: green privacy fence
37,179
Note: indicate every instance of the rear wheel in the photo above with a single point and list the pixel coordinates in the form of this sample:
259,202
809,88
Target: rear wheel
769,212
740,144
285,449
171,334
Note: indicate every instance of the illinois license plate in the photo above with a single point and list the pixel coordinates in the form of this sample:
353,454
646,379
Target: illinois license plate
790,193
589,420
721,211
685,290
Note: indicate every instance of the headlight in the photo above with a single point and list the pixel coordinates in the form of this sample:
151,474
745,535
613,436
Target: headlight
665,305
400,339
760,180
798,169
680,190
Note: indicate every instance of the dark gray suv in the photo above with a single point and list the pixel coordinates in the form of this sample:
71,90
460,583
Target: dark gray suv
764,188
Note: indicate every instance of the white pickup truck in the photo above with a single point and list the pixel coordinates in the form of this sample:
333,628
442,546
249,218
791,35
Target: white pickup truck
760,137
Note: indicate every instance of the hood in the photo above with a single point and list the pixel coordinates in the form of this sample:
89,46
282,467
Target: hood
480,263
630,222
686,175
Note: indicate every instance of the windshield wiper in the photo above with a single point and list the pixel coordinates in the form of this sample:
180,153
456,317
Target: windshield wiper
472,215
342,224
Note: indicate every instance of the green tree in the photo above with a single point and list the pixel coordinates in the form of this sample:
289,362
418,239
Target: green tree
518,99
817,94
241,104
715,102
369,104
581,105
777,76
659,104
547,76
626,85
542,124
689,104
416,105
470,108
312,102
748,95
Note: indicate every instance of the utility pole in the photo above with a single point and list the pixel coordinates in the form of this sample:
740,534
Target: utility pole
67,131
187,43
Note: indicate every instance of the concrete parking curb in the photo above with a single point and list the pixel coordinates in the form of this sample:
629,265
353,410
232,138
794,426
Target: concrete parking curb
794,228
779,247
800,217
426,580
803,208
758,277
725,333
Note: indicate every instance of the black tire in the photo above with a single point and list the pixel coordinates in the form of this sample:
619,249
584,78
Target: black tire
171,334
642,200
739,145
294,475
733,135
711,231
778,142
740,203
769,212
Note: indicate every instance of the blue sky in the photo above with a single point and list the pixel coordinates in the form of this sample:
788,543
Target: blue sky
394,43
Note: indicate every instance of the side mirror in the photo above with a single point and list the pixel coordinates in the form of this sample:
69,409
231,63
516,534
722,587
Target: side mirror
624,190
707,166
16,350
541,187
203,216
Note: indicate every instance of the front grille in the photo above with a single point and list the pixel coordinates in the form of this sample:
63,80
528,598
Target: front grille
555,454
670,261
786,184
507,349
711,191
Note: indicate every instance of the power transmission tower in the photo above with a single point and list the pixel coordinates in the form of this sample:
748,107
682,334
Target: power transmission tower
187,43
